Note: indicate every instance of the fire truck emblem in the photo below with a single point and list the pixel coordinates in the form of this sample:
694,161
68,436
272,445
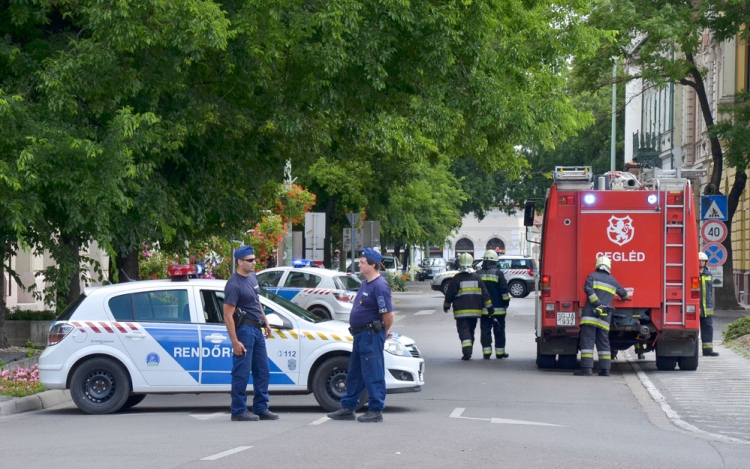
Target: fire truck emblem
620,230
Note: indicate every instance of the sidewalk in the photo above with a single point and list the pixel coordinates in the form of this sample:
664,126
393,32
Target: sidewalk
43,400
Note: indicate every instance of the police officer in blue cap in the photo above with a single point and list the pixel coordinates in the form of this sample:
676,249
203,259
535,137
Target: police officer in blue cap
248,328
370,322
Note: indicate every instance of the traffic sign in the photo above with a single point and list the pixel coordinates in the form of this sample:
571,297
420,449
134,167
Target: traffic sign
717,254
714,231
714,207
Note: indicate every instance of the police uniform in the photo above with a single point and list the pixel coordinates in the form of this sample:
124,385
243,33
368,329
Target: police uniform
601,288
707,312
469,296
494,280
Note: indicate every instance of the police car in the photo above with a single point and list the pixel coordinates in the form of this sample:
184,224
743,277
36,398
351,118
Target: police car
326,293
117,343
519,272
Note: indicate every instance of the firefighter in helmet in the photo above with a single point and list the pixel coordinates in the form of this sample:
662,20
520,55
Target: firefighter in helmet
601,288
707,307
494,280
468,295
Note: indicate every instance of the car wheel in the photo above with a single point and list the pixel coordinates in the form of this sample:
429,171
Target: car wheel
329,384
444,287
100,386
133,401
320,312
518,289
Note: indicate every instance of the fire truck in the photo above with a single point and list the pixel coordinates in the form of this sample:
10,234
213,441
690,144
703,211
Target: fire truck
649,231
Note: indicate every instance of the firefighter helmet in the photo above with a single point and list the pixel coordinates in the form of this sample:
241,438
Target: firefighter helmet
465,261
490,256
702,256
603,263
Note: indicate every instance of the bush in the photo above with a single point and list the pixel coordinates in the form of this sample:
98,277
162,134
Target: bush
20,382
396,282
737,329
29,315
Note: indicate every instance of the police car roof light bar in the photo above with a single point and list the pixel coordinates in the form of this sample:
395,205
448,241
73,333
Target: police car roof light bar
181,272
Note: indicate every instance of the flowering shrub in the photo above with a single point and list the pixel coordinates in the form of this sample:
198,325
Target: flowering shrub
293,203
152,263
20,382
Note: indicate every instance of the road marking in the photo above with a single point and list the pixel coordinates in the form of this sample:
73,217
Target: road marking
226,453
456,414
209,416
320,420
424,311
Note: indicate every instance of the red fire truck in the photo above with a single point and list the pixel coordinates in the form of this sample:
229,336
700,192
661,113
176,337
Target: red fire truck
649,231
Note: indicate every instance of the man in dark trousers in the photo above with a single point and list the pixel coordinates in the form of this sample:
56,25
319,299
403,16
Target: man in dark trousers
247,327
468,295
707,307
494,280
601,288
370,322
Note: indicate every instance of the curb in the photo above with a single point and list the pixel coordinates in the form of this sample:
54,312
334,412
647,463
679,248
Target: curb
43,400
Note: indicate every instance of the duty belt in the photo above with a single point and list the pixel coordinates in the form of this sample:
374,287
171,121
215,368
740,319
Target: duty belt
250,322
367,327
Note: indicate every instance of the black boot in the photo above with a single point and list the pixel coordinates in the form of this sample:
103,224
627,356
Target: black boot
371,416
583,372
603,372
710,353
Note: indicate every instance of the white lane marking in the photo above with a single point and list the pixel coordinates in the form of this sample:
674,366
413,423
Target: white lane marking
456,414
226,453
424,311
209,416
320,420
667,409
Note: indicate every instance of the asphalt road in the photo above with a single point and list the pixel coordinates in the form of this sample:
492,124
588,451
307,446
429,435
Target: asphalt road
480,413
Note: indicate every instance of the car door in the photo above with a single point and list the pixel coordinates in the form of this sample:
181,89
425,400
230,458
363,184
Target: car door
159,332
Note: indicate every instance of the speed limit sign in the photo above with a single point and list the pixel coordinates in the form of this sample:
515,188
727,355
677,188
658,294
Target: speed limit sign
714,231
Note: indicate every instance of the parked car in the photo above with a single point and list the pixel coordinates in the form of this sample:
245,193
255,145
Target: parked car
326,293
117,343
519,272
390,265
430,267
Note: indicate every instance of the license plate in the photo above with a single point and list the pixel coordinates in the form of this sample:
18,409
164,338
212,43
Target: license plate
566,319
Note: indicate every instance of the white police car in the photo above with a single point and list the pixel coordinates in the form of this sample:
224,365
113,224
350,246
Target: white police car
326,293
117,343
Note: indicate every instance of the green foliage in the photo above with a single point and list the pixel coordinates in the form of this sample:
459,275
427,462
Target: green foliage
15,314
734,131
395,282
737,329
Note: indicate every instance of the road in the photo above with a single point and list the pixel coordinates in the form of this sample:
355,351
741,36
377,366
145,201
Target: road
480,413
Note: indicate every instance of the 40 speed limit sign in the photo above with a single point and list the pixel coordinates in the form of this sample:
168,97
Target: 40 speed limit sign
714,231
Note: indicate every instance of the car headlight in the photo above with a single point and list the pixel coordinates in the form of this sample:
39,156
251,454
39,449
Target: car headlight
395,347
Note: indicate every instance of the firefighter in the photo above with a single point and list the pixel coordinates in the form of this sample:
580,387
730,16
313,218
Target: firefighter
600,288
469,296
707,307
494,280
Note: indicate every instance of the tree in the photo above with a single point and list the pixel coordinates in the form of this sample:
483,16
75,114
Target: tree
662,39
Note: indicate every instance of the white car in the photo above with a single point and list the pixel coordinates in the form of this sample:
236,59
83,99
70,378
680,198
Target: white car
115,344
326,293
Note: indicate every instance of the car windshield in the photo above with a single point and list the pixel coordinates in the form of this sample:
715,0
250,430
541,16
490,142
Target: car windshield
433,262
389,263
348,282
291,307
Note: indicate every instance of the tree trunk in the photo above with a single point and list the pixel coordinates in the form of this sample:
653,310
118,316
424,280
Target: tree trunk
124,268
329,211
726,297
3,338
74,287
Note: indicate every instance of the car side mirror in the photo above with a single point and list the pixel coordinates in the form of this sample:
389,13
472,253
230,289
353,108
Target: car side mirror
528,213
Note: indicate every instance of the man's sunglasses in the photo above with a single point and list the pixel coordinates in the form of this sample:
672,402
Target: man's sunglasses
248,260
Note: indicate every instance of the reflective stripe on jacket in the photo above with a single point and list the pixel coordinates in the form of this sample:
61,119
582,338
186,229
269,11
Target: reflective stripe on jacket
600,288
707,293
468,294
494,280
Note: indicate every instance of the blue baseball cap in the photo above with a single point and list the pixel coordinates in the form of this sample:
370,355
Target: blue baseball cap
243,251
373,255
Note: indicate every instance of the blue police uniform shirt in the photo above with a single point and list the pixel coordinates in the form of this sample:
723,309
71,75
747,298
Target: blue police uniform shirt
244,292
372,300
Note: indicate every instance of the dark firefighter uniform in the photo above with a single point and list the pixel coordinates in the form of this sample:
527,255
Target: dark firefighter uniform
601,288
707,312
494,280
469,296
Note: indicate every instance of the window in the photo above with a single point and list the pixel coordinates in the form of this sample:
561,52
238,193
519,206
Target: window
122,307
277,320
521,264
213,306
270,279
162,306
302,280
348,282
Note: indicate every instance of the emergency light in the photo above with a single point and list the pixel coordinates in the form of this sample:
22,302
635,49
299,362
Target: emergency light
181,271
651,199
589,199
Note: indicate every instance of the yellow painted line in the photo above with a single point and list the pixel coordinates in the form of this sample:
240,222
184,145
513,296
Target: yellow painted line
349,338
335,337
281,334
308,335
293,334
322,336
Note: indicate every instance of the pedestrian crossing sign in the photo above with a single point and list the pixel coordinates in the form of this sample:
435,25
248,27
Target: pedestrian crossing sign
714,207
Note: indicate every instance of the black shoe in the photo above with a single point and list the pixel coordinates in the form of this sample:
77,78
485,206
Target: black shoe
710,353
502,355
371,416
466,357
246,417
641,356
583,372
267,415
487,357
342,414
603,372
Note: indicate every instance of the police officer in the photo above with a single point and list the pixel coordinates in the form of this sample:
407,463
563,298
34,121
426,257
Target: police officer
707,307
370,322
469,296
247,327
600,288
494,280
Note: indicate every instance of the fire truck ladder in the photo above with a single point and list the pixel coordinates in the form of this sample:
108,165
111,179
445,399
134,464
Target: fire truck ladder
676,214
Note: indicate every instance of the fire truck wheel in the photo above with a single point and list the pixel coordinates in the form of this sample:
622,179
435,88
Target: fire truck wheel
568,362
518,289
665,363
689,363
544,361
